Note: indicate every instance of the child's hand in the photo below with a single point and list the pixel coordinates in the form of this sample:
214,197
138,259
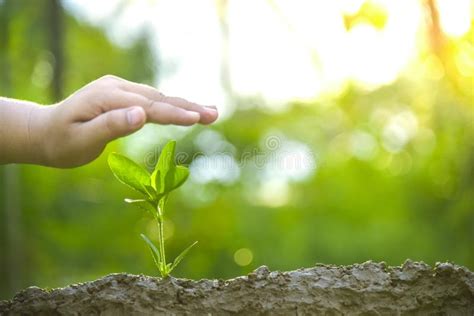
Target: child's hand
76,130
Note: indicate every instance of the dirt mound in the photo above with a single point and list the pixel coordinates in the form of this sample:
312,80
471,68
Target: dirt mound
369,288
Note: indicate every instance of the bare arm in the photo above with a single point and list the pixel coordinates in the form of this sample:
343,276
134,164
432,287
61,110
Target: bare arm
76,130
16,143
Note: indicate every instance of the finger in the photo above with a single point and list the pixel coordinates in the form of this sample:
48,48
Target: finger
156,112
113,124
165,113
208,114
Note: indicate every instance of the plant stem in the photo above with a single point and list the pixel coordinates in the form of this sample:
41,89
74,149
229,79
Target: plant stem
161,239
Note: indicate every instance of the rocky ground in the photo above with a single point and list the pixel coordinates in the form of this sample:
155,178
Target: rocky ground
368,289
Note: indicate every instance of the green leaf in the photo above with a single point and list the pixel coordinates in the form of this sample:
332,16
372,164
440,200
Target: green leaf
134,201
178,259
181,174
168,268
151,192
154,251
129,173
166,166
155,180
144,205
167,176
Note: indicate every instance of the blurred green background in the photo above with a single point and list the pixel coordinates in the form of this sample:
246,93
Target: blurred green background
379,170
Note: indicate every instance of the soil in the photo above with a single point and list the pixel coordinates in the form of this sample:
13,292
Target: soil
360,289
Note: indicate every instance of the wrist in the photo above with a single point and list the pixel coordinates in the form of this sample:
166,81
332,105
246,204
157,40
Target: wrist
39,135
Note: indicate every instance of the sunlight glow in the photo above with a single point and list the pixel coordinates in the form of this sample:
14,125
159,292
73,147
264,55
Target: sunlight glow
455,16
274,193
292,161
278,50
221,168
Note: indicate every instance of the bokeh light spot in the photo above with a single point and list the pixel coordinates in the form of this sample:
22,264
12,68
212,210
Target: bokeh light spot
243,257
455,16
274,193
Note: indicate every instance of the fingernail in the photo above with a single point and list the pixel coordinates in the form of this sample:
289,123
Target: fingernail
195,115
134,116
211,107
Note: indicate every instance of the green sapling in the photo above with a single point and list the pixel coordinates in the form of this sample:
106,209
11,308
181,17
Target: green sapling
155,189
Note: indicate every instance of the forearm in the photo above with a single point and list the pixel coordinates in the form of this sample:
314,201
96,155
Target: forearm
19,135
76,130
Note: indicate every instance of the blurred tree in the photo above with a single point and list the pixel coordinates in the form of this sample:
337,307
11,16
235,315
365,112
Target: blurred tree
56,30
45,54
4,48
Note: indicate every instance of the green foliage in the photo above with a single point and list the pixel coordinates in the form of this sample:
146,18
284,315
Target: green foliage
52,248
130,173
167,176
155,189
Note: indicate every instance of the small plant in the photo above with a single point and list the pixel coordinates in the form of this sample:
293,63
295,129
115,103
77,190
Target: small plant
155,189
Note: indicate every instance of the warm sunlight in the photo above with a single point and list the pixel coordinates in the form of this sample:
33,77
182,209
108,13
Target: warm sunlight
455,16
280,50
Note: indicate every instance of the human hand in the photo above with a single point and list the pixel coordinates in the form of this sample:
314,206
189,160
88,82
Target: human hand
76,130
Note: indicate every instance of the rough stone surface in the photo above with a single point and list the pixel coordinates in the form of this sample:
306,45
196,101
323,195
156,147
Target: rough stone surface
360,289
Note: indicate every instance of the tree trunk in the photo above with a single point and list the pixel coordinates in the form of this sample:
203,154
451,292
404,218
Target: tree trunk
11,263
56,40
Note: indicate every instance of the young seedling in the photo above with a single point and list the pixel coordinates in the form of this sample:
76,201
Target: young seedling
155,189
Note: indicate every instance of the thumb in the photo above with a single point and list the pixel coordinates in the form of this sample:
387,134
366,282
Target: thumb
114,124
